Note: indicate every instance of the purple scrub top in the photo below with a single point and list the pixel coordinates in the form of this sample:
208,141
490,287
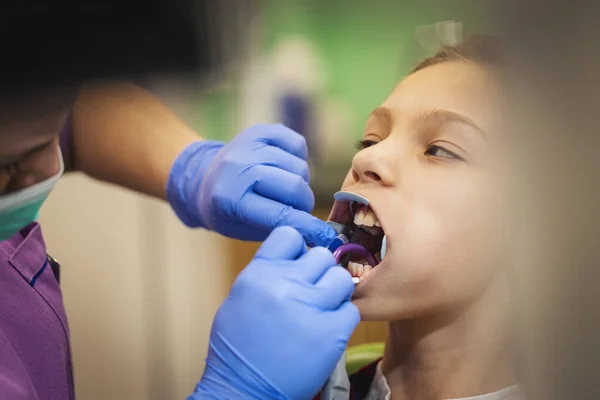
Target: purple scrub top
35,352
35,356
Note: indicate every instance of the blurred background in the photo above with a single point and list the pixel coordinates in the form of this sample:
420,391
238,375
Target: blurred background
142,295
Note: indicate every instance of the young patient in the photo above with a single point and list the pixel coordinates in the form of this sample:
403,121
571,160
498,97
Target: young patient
428,165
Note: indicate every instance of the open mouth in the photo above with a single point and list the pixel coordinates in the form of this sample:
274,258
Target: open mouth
362,235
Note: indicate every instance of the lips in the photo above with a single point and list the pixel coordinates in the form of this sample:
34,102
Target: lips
364,231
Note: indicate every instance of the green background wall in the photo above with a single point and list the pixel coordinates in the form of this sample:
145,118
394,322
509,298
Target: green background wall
366,47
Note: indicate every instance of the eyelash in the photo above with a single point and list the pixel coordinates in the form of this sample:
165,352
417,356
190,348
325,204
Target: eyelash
363,144
450,154
10,168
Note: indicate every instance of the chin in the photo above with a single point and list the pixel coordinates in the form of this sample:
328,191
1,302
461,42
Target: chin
370,311
400,294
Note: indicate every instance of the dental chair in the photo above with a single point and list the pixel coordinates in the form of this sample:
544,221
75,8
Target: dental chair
362,355
355,358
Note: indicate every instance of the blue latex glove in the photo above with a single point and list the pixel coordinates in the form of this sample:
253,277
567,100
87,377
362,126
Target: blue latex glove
283,327
246,188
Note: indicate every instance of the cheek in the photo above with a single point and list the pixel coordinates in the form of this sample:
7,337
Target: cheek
444,248
447,213
448,239
348,179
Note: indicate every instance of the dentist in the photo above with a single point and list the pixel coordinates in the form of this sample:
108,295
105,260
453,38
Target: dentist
286,301
288,317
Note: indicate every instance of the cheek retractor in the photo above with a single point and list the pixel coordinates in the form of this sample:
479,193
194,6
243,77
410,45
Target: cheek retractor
341,246
383,247
354,248
352,198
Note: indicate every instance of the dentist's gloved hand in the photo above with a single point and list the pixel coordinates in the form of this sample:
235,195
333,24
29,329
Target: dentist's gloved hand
248,187
283,327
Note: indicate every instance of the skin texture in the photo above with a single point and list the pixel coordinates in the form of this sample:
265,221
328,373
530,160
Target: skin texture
118,137
429,169
124,135
29,143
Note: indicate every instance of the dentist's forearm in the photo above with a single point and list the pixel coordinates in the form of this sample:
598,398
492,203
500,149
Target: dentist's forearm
125,136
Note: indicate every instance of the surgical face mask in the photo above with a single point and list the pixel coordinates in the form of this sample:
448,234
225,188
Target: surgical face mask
19,209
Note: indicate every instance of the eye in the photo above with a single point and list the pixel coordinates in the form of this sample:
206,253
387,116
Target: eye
7,172
363,144
10,169
438,151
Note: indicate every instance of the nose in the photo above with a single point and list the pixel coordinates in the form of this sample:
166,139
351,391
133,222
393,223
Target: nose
373,165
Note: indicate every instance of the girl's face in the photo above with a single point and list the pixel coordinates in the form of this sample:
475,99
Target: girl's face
427,165
29,141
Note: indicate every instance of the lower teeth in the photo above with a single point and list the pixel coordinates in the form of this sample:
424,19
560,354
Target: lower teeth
359,269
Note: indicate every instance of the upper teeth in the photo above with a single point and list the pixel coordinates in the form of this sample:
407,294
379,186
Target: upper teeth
366,217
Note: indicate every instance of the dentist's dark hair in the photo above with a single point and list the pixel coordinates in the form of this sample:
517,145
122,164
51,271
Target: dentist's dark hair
55,43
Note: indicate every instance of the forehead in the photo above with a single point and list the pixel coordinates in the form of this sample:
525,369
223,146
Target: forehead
460,87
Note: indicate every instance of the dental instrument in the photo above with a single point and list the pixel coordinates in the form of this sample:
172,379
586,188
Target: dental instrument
342,237
338,242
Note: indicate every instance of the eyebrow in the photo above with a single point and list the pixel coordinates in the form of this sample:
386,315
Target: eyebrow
386,116
4,161
445,117
383,115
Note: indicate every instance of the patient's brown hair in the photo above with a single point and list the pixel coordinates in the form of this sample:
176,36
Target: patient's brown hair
481,49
